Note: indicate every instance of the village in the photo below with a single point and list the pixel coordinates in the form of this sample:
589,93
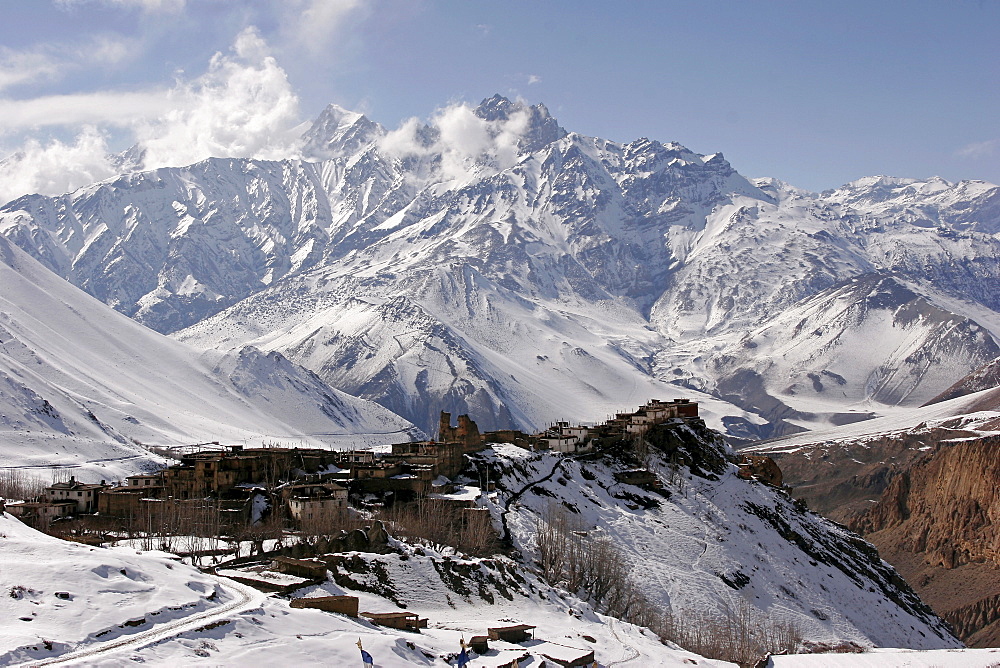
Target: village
304,488
217,490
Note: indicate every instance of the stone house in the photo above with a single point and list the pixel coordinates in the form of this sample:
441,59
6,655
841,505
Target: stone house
120,501
84,495
405,621
565,438
517,633
41,513
344,605
314,502
312,569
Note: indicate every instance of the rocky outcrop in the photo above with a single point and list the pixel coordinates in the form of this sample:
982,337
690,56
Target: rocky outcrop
759,467
842,480
948,502
938,523
977,619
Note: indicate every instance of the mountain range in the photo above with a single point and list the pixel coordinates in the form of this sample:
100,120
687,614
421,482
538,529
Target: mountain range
523,273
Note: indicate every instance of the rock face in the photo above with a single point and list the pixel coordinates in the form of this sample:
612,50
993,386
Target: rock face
929,500
841,480
937,523
944,506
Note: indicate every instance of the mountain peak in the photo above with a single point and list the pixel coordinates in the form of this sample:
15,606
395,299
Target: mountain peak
338,132
541,128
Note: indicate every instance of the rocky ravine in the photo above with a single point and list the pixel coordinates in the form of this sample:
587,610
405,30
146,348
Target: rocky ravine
927,497
937,522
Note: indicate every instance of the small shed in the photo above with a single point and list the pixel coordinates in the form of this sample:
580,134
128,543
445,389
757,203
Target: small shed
479,644
405,621
304,568
515,634
569,657
344,605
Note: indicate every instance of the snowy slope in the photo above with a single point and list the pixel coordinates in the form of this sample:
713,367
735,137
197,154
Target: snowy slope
870,341
82,385
423,272
959,413
126,606
713,540
107,588
984,378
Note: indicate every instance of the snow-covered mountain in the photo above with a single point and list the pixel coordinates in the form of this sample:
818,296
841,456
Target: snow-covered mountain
82,385
492,262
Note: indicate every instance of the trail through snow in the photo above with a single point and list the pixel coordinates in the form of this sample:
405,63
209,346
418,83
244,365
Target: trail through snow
247,598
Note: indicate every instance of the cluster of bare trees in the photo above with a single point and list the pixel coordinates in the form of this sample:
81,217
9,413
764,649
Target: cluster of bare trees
174,526
741,633
594,567
469,530
571,558
16,484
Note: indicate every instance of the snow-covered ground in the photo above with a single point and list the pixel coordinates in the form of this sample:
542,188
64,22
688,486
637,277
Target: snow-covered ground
894,658
192,618
58,596
711,543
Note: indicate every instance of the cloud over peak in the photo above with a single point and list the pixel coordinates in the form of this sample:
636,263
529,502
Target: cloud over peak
242,106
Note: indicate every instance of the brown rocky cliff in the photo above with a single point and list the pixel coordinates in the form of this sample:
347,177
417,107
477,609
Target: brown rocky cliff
938,523
948,503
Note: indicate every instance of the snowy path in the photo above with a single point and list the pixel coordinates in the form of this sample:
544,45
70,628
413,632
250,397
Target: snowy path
247,598
513,499
629,653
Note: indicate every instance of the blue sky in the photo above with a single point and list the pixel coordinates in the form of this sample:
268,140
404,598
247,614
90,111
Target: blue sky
813,93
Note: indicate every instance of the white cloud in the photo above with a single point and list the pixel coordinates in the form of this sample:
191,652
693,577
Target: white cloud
983,149
99,108
533,79
26,67
108,50
243,106
51,62
313,24
55,167
459,140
